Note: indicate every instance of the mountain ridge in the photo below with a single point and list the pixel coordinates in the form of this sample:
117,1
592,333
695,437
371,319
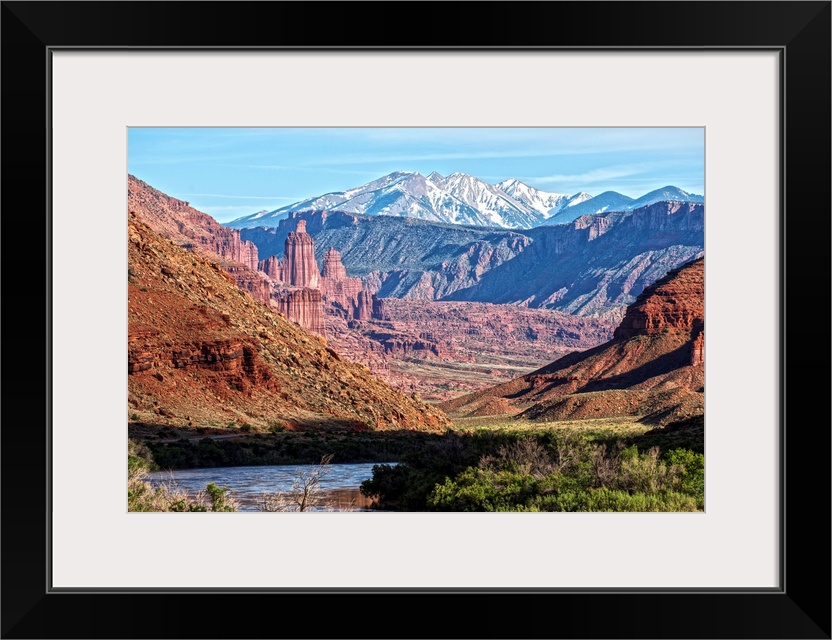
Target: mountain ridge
461,198
595,264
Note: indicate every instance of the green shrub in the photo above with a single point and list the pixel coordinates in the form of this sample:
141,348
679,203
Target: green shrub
692,473
549,471
220,499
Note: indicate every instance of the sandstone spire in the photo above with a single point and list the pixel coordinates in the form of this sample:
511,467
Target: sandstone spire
333,267
300,268
272,267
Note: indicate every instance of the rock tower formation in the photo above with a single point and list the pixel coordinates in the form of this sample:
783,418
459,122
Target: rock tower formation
300,290
299,266
304,307
345,292
333,267
272,267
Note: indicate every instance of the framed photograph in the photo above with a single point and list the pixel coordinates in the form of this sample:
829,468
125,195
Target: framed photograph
183,131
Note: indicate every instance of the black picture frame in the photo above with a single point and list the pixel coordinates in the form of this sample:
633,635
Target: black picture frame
799,31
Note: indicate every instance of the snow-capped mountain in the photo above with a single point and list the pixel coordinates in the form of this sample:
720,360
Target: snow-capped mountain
614,201
456,199
544,202
547,204
496,206
461,199
665,193
607,201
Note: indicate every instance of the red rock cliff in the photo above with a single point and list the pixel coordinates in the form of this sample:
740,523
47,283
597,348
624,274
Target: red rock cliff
251,281
364,306
248,254
187,227
334,269
697,349
337,287
300,267
675,302
272,267
304,307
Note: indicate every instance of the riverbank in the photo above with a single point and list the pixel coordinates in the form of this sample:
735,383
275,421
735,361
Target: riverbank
496,464
164,447
336,487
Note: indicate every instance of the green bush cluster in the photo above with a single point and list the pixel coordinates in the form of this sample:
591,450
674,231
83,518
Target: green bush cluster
142,496
550,471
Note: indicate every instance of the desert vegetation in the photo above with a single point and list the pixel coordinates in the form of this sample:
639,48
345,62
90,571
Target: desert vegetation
143,496
551,470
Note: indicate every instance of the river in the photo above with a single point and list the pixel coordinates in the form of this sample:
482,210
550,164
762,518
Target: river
338,489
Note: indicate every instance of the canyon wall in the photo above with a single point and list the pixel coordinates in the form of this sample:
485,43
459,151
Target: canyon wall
304,307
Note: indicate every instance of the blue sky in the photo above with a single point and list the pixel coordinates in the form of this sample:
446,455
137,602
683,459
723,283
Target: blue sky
229,172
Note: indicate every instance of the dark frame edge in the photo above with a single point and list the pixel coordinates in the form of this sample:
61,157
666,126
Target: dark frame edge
803,609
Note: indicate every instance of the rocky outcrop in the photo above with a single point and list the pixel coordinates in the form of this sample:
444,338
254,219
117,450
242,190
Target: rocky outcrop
272,267
248,254
675,302
336,286
406,345
203,352
653,369
364,301
697,349
378,309
333,270
250,281
594,265
442,349
295,289
346,293
300,268
304,307
192,229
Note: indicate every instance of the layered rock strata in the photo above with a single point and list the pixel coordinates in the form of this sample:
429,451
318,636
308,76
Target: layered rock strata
300,268
196,231
652,369
304,307
442,349
272,267
202,352
298,271
343,291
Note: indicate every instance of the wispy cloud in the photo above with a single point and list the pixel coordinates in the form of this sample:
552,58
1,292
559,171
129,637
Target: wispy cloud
594,175
307,168
226,195
400,158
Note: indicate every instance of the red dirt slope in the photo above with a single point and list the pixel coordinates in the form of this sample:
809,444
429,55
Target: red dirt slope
653,367
203,352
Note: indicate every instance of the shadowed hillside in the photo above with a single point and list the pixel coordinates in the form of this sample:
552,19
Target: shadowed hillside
653,368
205,353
